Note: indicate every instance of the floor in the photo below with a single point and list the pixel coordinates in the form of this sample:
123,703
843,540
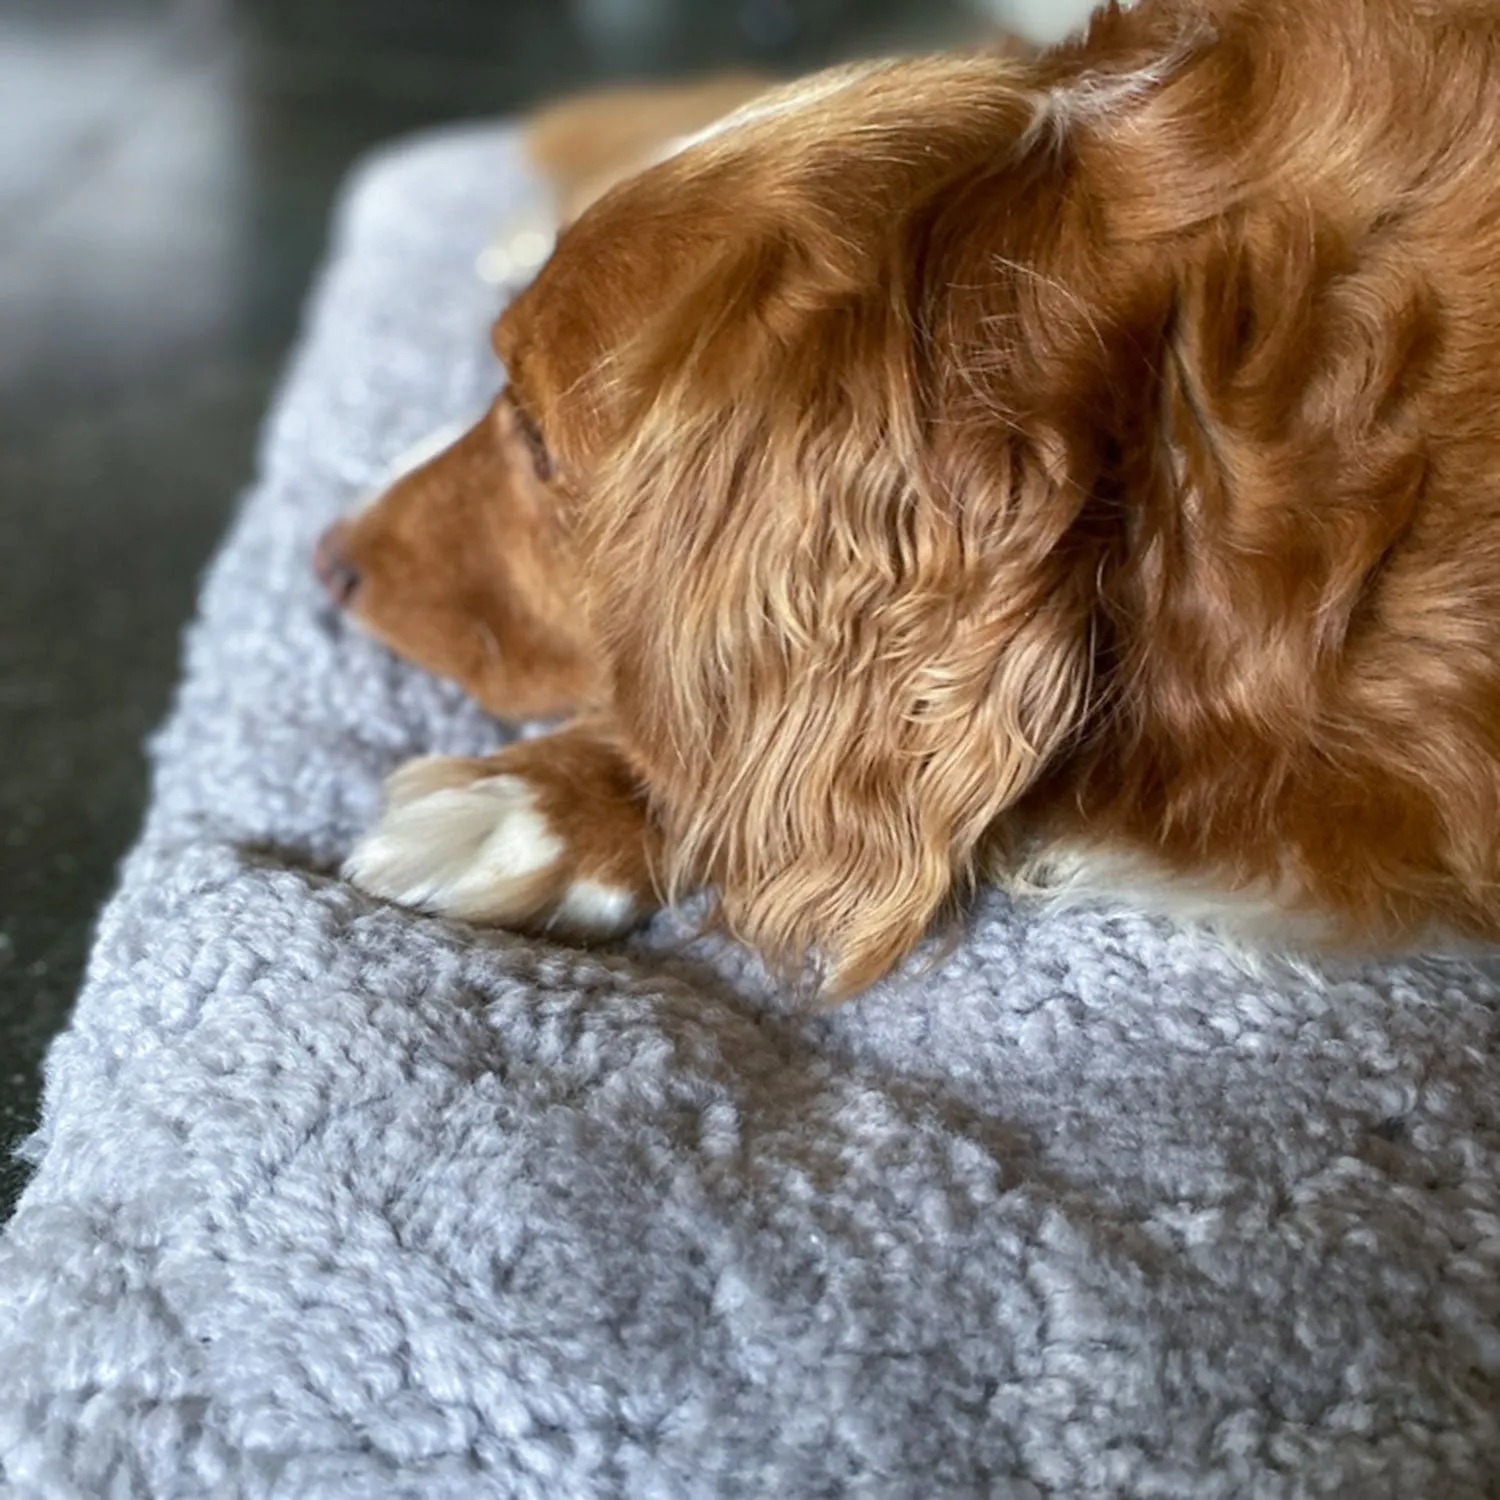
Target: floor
166,168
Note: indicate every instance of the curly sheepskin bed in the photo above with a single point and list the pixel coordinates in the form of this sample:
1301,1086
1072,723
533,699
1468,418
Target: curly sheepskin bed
332,1200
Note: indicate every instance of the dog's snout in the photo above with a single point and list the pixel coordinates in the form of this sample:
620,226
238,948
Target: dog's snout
332,565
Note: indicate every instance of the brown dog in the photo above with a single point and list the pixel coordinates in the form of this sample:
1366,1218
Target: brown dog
1083,470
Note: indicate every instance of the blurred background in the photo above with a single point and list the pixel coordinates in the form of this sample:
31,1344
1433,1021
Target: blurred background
166,171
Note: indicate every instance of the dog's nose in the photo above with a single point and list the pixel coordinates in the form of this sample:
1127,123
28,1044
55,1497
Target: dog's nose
331,563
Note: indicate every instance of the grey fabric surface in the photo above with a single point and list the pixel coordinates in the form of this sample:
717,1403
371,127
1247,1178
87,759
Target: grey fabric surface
338,1201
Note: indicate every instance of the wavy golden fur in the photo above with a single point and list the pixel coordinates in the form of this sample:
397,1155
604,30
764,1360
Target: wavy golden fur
982,463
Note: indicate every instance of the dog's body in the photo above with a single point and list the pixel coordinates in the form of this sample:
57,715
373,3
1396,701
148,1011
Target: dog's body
1054,467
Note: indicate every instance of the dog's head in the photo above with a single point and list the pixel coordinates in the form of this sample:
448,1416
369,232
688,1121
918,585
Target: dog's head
843,450
467,565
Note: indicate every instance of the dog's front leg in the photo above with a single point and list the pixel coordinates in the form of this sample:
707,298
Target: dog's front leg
549,835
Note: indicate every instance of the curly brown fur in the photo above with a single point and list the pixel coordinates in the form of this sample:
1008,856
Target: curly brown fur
1080,462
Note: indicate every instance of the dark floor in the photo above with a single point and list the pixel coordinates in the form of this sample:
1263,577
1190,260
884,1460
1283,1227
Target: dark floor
166,168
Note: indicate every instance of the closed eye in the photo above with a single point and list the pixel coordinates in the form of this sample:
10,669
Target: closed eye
536,444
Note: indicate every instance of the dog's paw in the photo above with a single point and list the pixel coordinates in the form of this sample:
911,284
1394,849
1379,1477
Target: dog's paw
462,838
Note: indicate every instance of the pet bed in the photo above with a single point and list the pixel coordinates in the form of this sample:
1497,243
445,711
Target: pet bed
333,1200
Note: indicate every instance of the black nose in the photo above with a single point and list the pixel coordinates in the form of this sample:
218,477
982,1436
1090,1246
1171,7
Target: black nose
331,563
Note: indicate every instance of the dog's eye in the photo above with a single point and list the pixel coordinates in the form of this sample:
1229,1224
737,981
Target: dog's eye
541,460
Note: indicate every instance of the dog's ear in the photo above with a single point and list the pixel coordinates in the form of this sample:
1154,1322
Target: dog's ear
849,601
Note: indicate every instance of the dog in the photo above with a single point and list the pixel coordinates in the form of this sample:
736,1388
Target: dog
1080,471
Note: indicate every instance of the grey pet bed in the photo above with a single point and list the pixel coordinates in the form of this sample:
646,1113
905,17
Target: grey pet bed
337,1201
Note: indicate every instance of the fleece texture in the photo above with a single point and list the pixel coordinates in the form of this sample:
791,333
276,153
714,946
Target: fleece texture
333,1200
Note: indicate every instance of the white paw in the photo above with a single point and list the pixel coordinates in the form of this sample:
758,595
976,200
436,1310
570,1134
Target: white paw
460,843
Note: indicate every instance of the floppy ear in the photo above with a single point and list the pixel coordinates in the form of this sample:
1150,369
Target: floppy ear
849,603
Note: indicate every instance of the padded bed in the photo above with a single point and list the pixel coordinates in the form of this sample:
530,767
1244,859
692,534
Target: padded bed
333,1200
